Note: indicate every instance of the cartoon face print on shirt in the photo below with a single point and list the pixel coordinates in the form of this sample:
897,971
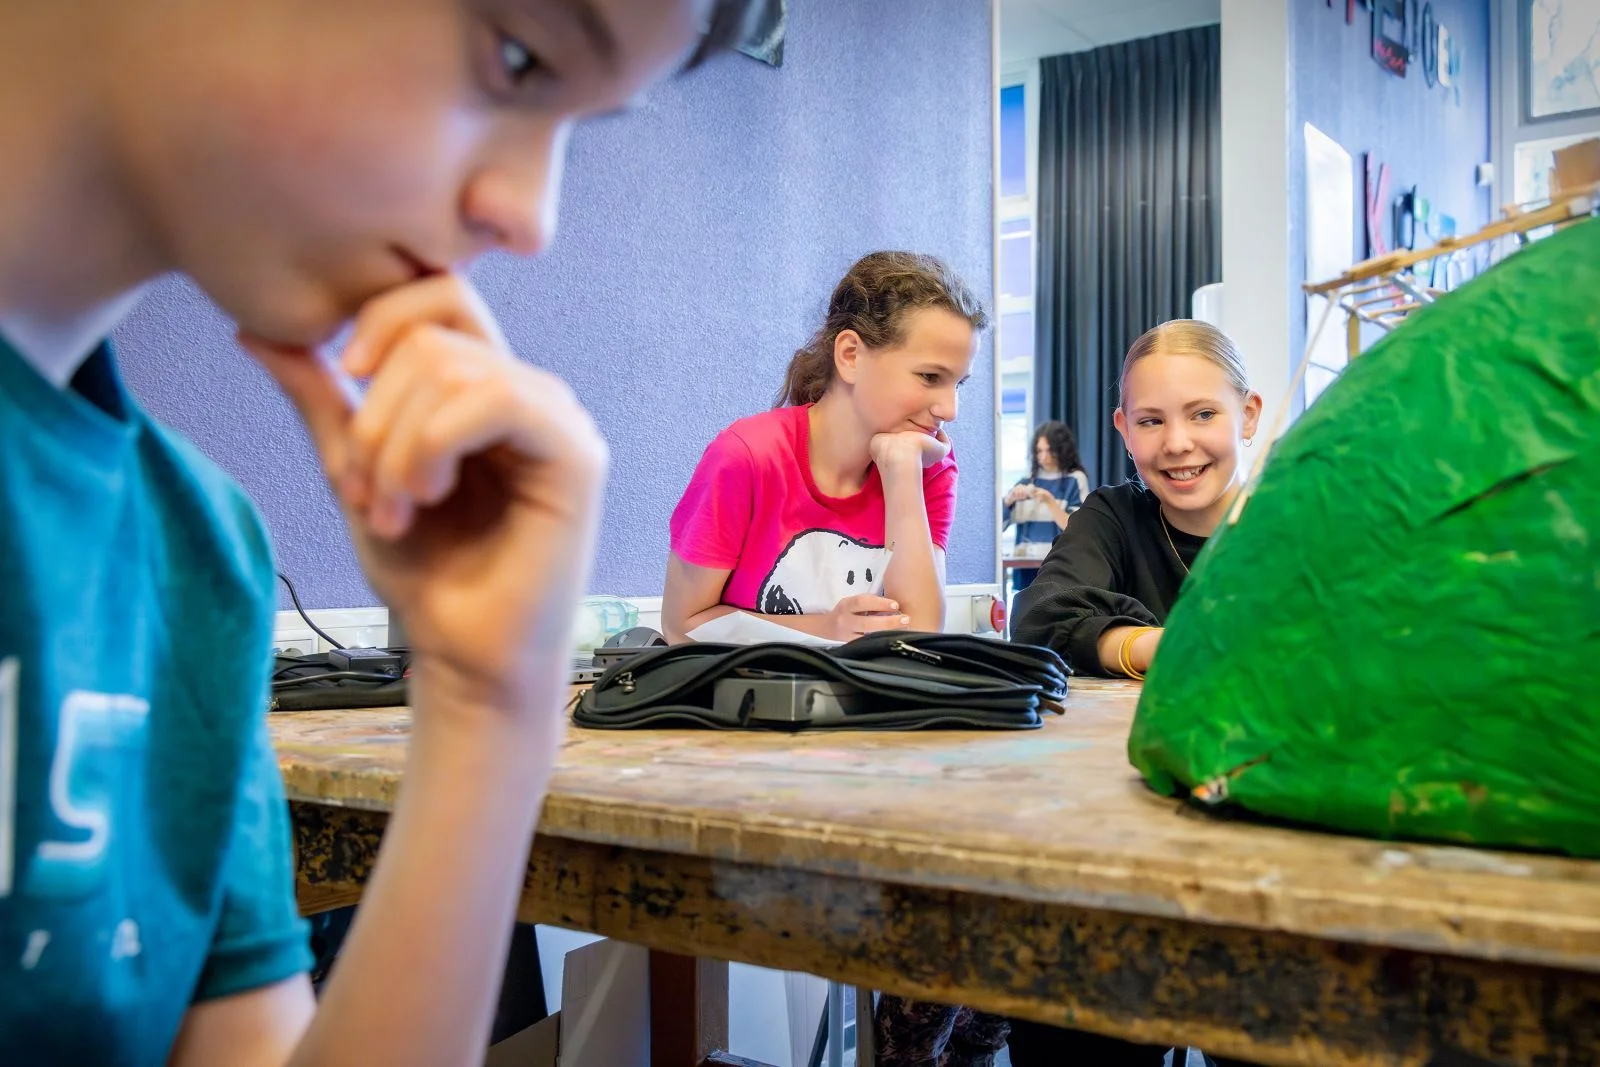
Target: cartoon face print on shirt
818,569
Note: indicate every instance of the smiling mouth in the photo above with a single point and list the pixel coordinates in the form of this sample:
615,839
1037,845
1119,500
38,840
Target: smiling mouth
1185,475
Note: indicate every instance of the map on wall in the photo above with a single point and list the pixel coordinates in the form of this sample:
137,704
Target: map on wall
1563,57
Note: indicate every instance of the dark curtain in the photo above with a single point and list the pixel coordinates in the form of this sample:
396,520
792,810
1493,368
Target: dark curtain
1130,218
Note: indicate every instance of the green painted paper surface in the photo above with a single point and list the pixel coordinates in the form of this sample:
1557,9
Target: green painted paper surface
1401,636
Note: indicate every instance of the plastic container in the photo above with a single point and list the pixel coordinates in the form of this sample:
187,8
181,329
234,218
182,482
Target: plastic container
599,617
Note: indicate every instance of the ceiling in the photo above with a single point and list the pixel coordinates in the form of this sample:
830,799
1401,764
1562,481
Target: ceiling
1033,28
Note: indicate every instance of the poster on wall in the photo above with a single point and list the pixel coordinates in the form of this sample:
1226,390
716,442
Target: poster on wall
1330,249
1563,58
1391,35
765,38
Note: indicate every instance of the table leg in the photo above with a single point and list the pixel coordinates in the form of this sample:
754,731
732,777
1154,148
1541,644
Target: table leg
688,1009
866,1028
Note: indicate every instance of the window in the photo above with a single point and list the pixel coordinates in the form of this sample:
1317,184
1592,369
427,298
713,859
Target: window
1013,142
1016,336
1016,259
1014,315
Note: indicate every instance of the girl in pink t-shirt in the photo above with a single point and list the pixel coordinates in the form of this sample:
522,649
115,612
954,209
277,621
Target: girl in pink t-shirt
831,512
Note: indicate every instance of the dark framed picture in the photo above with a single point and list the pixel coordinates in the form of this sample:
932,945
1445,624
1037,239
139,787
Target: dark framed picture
1391,35
1560,58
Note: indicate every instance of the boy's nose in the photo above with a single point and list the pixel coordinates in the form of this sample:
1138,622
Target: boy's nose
512,204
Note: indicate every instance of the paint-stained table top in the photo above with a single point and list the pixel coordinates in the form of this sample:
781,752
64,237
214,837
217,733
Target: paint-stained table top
1055,816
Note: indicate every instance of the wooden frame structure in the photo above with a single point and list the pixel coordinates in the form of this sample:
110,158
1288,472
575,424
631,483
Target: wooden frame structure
1385,289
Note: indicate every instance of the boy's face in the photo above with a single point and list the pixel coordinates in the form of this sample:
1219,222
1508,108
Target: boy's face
298,157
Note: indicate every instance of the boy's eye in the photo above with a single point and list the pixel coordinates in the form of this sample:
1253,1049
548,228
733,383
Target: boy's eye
520,64
931,379
1205,416
1149,422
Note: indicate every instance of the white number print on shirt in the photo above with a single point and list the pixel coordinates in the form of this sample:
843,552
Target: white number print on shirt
818,569
87,780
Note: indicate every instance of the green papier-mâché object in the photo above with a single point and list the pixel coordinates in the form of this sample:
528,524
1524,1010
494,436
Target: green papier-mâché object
1401,635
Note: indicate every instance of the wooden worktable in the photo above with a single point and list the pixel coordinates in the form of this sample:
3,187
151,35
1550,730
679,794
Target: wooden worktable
1028,873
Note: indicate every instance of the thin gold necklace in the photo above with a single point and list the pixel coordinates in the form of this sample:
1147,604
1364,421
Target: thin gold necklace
1165,529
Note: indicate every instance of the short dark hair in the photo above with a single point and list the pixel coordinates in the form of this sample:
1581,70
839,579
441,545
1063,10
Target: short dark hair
729,25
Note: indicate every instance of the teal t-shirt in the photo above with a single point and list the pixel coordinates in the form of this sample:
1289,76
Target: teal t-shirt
145,860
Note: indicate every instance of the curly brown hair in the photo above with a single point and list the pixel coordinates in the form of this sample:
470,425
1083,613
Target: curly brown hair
873,299
1063,445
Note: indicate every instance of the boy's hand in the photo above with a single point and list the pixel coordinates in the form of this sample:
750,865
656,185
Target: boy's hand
471,482
903,448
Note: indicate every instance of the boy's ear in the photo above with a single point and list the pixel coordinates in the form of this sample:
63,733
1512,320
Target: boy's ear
847,350
1120,421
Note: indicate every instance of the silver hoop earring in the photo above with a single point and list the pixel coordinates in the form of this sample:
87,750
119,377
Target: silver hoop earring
1248,441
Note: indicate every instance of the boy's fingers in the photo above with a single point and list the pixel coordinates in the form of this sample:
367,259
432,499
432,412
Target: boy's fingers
430,434
414,369
444,300
325,398
404,470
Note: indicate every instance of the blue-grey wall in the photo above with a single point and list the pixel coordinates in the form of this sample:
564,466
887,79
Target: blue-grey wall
1426,137
699,239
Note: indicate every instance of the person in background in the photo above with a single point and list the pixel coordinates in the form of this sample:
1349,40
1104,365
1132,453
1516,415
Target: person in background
1187,413
1040,504
829,513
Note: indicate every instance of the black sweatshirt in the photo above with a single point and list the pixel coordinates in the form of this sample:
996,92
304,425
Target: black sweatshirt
1111,566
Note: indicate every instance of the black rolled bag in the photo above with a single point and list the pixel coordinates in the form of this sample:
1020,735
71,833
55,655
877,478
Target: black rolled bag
895,680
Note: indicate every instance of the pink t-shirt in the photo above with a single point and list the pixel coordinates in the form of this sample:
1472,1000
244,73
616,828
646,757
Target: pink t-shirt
752,507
